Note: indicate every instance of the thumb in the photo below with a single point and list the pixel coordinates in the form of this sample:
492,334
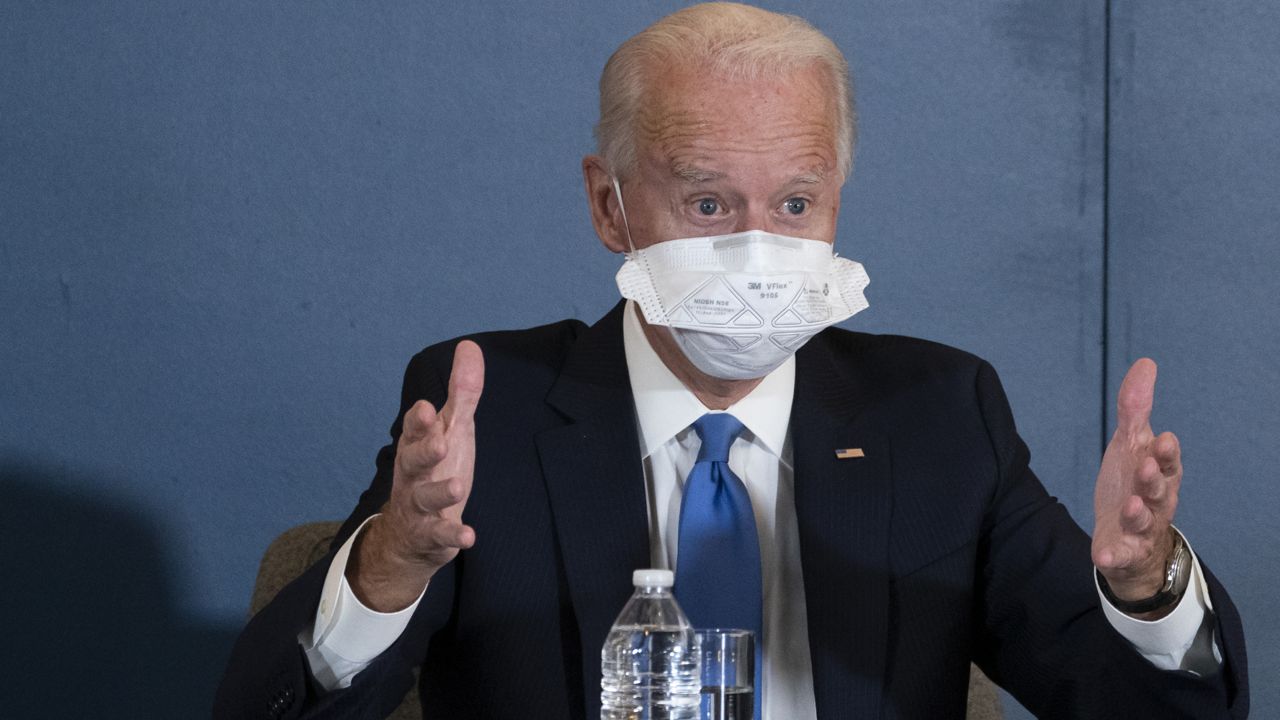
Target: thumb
466,381
1137,393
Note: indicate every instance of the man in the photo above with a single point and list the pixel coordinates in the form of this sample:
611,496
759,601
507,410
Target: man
900,534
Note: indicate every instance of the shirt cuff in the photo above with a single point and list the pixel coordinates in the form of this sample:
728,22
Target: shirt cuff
347,636
1165,642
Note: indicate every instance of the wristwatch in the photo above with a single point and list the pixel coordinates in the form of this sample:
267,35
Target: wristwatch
1176,576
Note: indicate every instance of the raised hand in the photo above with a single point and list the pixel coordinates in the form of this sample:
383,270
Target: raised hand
421,528
1137,493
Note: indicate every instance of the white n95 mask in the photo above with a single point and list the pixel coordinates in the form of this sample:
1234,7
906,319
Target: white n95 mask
739,305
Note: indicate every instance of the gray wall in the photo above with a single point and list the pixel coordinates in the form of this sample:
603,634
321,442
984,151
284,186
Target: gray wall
224,228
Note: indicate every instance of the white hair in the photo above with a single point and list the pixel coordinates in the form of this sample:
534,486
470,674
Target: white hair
740,41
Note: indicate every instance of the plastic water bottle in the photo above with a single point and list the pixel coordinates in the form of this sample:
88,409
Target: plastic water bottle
650,661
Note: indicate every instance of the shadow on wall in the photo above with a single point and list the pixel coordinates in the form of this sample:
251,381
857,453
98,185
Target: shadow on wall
86,595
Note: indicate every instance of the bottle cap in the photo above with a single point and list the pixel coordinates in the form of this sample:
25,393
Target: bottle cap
653,578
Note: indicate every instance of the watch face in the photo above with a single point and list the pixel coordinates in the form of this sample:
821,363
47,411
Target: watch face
1179,568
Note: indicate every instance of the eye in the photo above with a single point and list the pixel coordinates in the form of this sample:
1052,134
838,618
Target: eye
707,206
796,206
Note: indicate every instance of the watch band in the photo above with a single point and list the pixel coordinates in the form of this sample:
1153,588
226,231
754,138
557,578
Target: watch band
1177,575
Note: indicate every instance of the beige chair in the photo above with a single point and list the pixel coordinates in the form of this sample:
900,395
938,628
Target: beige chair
298,548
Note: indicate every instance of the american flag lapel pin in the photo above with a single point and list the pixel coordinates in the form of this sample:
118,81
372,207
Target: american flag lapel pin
846,453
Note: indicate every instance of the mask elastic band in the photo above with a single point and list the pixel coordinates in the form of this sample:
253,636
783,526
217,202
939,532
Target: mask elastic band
617,190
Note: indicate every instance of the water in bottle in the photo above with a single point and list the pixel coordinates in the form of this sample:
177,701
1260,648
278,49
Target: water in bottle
650,661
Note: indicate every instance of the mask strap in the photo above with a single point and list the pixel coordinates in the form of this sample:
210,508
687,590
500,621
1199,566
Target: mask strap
617,190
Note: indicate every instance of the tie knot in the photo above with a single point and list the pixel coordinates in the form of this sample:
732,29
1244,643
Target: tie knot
717,432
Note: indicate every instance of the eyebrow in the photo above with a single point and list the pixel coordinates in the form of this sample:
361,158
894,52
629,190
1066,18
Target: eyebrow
809,178
694,174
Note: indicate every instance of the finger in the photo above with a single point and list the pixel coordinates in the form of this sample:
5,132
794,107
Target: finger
1150,481
1133,404
1115,556
466,382
418,420
448,533
1168,453
1136,518
419,456
439,495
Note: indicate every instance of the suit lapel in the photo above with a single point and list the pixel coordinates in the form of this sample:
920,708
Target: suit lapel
843,511
843,506
596,487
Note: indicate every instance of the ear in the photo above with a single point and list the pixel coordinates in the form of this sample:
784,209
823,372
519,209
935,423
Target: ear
606,213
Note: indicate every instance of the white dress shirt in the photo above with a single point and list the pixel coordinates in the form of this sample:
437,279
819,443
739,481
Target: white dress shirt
347,636
761,457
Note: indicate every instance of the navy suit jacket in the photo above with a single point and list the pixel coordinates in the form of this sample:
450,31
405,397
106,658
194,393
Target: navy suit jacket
937,548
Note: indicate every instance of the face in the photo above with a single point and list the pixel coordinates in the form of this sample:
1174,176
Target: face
718,156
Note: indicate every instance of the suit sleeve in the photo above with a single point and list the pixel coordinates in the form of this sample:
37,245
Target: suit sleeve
1044,635
268,676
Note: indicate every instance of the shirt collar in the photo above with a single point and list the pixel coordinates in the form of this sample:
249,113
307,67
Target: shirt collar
665,407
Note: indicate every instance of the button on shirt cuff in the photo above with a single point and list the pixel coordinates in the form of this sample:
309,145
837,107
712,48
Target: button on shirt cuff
1181,640
347,636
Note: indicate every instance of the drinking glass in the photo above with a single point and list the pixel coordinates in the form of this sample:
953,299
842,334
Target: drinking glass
728,673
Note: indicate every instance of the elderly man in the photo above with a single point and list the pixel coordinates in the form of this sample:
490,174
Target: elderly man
894,532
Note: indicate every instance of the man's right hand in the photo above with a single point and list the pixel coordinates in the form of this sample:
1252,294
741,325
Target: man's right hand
420,529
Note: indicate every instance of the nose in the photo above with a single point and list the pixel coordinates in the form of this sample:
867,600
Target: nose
755,217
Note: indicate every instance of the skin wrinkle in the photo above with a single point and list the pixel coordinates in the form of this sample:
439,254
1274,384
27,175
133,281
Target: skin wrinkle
680,124
742,71
684,142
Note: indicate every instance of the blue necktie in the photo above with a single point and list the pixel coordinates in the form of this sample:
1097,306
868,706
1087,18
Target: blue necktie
718,558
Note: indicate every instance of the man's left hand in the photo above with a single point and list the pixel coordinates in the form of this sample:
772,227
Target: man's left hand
1136,494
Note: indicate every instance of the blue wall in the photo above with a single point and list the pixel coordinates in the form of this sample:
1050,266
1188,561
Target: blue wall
224,230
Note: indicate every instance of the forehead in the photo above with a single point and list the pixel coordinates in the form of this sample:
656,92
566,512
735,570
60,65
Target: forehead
694,116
